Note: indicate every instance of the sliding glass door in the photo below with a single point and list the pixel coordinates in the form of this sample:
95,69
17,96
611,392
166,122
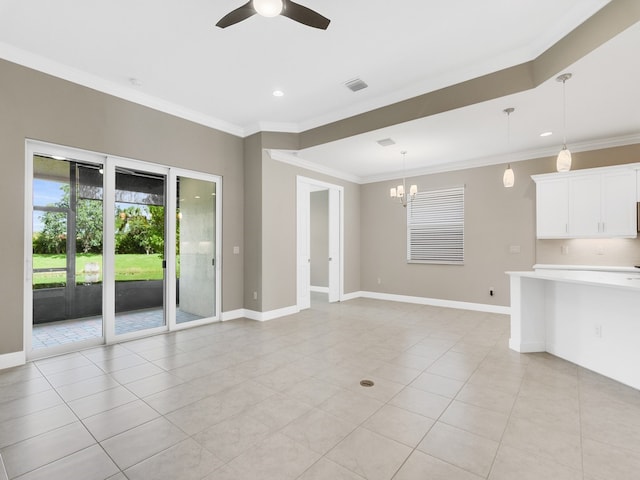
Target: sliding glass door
195,244
66,253
139,222
152,266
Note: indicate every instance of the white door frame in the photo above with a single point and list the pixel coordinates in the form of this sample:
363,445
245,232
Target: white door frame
336,241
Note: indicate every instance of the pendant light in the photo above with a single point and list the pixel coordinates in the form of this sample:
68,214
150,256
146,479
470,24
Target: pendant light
508,179
399,192
563,163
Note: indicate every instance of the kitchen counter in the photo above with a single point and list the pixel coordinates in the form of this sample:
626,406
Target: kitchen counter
589,317
627,278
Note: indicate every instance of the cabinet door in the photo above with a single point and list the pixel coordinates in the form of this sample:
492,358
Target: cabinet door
584,206
619,204
552,212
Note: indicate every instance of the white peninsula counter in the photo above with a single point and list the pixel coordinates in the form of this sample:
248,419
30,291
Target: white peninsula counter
589,317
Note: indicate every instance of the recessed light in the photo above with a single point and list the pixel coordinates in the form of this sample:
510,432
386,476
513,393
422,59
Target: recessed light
278,93
546,134
197,197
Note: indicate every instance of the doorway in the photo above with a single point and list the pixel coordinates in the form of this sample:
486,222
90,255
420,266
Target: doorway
150,266
326,258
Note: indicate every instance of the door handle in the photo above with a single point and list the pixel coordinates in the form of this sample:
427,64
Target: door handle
330,258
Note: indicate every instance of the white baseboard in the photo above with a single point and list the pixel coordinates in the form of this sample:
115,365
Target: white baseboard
272,314
436,302
259,316
14,359
232,314
351,296
283,312
528,347
319,289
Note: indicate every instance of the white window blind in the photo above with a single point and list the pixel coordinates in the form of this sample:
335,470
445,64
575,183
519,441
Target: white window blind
435,227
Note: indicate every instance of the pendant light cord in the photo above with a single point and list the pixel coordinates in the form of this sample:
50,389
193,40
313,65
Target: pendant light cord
564,114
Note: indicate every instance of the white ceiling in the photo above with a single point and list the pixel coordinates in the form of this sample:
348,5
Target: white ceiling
224,77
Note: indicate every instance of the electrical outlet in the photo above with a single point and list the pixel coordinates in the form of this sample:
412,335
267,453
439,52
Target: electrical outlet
255,295
564,250
379,280
598,331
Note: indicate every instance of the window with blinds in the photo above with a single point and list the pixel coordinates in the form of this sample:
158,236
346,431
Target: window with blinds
435,227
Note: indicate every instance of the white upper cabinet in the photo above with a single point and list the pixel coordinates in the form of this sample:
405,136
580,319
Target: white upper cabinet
593,203
584,206
552,207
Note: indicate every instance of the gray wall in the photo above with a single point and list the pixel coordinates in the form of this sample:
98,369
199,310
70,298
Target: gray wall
495,219
279,232
37,106
319,238
253,222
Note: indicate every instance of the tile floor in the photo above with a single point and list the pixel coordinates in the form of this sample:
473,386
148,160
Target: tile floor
53,334
281,400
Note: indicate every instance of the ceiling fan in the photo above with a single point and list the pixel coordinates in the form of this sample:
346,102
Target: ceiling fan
273,8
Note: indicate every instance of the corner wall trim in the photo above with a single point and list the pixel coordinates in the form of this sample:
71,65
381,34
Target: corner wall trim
259,316
436,302
528,347
232,314
272,314
351,296
14,359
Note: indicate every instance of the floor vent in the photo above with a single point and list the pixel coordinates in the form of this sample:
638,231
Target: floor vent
367,383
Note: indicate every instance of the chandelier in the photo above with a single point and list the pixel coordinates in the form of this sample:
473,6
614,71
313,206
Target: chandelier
400,192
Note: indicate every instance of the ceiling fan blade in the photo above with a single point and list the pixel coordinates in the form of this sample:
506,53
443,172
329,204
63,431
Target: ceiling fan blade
304,15
236,16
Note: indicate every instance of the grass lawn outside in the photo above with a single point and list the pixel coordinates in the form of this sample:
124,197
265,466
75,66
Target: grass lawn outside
128,267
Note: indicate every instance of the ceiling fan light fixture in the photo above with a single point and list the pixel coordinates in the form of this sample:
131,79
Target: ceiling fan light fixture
268,8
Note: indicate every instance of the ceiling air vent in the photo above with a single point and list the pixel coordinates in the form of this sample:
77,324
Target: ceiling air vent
386,142
356,84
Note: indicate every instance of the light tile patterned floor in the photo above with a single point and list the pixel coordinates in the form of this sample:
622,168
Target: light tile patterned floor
63,332
281,400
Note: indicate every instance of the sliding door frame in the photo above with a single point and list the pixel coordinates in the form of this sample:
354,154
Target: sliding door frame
172,204
109,164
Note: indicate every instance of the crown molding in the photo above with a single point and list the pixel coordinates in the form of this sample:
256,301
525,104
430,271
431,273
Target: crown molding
59,70
292,159
514,157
